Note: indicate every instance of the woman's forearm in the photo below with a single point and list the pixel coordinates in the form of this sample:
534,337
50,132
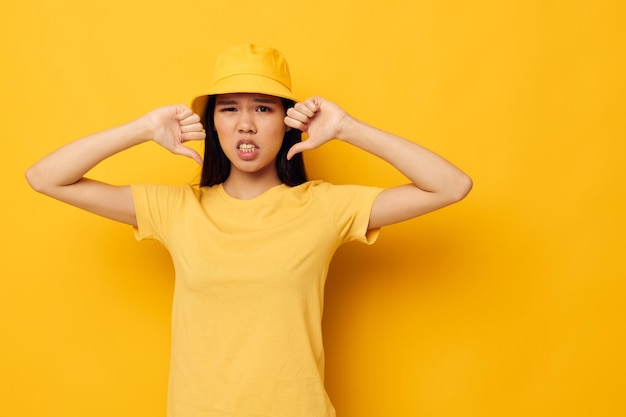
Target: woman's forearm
424,168
70,163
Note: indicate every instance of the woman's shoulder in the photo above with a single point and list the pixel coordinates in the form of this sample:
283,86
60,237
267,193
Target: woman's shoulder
310,185
166,191
312,188
332,195
321,186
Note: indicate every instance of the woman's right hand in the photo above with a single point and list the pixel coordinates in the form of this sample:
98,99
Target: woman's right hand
172,126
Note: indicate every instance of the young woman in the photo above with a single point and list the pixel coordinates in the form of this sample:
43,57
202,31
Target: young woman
252,244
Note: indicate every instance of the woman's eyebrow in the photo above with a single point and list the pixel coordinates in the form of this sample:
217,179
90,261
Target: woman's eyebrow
264,100
225,102
230,102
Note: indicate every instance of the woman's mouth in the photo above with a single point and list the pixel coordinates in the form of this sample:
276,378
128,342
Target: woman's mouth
247,147
247,150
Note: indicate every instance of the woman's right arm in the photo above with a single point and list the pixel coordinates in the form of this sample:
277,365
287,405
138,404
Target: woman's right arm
60,174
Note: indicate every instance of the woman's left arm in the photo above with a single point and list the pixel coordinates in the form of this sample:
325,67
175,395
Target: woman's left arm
435,182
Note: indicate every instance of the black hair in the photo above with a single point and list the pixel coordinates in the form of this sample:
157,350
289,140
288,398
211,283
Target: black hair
216,166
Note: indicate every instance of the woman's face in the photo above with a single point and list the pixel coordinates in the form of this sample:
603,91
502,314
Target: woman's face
250,128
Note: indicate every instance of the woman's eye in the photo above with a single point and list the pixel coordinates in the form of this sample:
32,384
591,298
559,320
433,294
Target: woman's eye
263,109
228,109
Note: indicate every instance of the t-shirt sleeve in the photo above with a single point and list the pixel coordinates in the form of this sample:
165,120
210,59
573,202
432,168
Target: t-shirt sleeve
155,207
351,206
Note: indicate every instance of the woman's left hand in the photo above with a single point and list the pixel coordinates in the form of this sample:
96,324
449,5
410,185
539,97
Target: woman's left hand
321,119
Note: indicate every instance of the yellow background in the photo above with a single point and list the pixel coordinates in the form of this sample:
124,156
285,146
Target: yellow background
510,303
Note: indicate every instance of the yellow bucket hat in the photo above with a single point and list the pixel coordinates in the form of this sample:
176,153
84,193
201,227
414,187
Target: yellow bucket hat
247,68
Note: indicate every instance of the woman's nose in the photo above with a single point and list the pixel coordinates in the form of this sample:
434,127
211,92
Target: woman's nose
246,123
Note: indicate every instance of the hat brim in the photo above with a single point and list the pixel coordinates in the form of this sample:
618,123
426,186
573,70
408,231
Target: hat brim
242,83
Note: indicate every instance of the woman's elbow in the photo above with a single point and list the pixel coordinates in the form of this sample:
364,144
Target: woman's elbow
461,188
36,179
32,179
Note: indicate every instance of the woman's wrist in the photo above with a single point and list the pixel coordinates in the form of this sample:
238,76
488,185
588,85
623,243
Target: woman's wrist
142,129
347,127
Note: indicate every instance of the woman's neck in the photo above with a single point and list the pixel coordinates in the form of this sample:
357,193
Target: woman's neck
245,186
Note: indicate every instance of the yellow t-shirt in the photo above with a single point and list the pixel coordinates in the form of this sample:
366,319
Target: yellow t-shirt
248,298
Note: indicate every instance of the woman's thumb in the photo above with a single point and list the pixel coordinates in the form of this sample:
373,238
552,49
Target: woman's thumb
295,149
190,153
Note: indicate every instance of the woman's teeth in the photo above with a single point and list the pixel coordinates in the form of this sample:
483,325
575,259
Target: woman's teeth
247,147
